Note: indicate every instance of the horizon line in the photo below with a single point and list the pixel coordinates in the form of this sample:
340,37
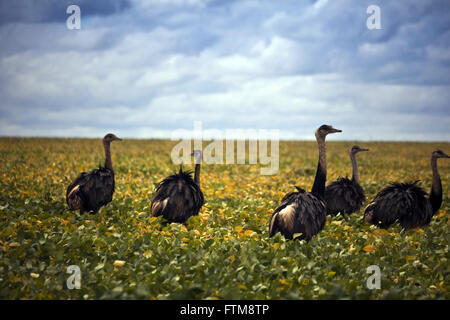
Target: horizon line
223,138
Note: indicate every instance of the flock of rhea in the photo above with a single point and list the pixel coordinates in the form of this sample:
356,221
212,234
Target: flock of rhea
301,214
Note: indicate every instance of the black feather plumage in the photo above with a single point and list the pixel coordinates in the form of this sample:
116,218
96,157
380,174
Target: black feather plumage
304,212
90,191
344,196
402,202
299,212
177,198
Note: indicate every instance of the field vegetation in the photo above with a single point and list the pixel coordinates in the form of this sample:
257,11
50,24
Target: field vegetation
225,252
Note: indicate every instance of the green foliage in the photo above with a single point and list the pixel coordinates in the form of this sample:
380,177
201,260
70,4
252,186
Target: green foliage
225,252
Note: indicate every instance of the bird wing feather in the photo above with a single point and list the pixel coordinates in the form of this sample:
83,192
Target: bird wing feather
183,197
344,196
95,189
299,212
402,202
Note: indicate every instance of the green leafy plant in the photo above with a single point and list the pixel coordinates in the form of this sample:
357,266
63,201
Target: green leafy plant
225,252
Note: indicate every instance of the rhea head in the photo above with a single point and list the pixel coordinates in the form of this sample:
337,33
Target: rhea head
197,154
324,130
110,137
356,149
439,154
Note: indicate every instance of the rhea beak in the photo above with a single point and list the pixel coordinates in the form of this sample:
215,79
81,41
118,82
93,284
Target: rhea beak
363,149
333,130
118,139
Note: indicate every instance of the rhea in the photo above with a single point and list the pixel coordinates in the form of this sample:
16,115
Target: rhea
178,197
407,203
90,191
301,212
346,196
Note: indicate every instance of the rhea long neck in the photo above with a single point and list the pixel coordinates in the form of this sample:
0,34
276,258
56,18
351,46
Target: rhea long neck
108,160
197,174
198,161
436,187
318,188
355,176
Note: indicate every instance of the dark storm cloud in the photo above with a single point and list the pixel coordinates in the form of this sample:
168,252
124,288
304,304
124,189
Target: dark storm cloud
146,68
37,11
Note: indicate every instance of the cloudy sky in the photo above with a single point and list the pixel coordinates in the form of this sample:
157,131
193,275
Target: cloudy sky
146,68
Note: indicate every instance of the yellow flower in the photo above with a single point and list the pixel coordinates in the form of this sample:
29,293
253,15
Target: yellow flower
248,232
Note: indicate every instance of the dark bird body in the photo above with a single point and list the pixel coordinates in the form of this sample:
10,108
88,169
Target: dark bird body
299,212
407,203
304,212
90,191
179,197
345,195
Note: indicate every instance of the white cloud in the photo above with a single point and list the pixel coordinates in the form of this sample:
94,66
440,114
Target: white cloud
286,72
